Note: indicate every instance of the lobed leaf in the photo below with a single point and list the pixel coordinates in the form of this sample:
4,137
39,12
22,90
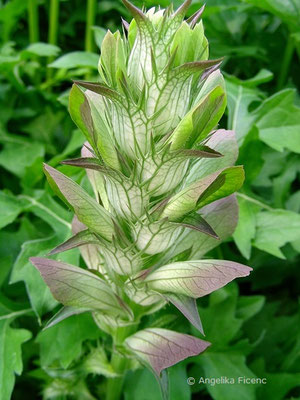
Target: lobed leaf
69,337
10,356
278,121
10,208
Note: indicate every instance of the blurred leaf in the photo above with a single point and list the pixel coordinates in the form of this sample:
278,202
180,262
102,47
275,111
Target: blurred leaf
178,386
246,227
273,164
40,296
10,355
60,388
293,203
17,155
10,208
136,382
42,50
76,59
57,218
251,155
220,316
63,342
282,184
278,385
45,207
99,34
278,121
275,229
76,141
9,14
229,365
10,245
262,76
268,330
45,128
288,11
97,363
240,98
248,306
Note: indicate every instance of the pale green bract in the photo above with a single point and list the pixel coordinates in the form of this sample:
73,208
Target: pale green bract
164,182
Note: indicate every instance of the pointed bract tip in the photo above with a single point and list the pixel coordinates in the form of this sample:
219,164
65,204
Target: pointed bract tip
183,8
53,251
50,170
125,24
135,11
47,167
76,84
193,19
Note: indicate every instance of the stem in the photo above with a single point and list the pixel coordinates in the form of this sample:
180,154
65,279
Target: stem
90,21
220,252
53,30
16,314
297,46
33,21
119,363
254,201
114,385
53,22
285,65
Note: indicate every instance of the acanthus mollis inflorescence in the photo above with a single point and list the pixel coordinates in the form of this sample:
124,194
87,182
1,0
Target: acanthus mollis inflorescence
163,178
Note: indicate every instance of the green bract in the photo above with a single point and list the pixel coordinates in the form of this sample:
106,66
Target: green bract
163,179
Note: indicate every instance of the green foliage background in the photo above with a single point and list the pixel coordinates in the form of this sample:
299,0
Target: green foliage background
254,325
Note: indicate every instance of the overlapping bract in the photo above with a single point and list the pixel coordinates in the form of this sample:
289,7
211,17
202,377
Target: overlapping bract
163,180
